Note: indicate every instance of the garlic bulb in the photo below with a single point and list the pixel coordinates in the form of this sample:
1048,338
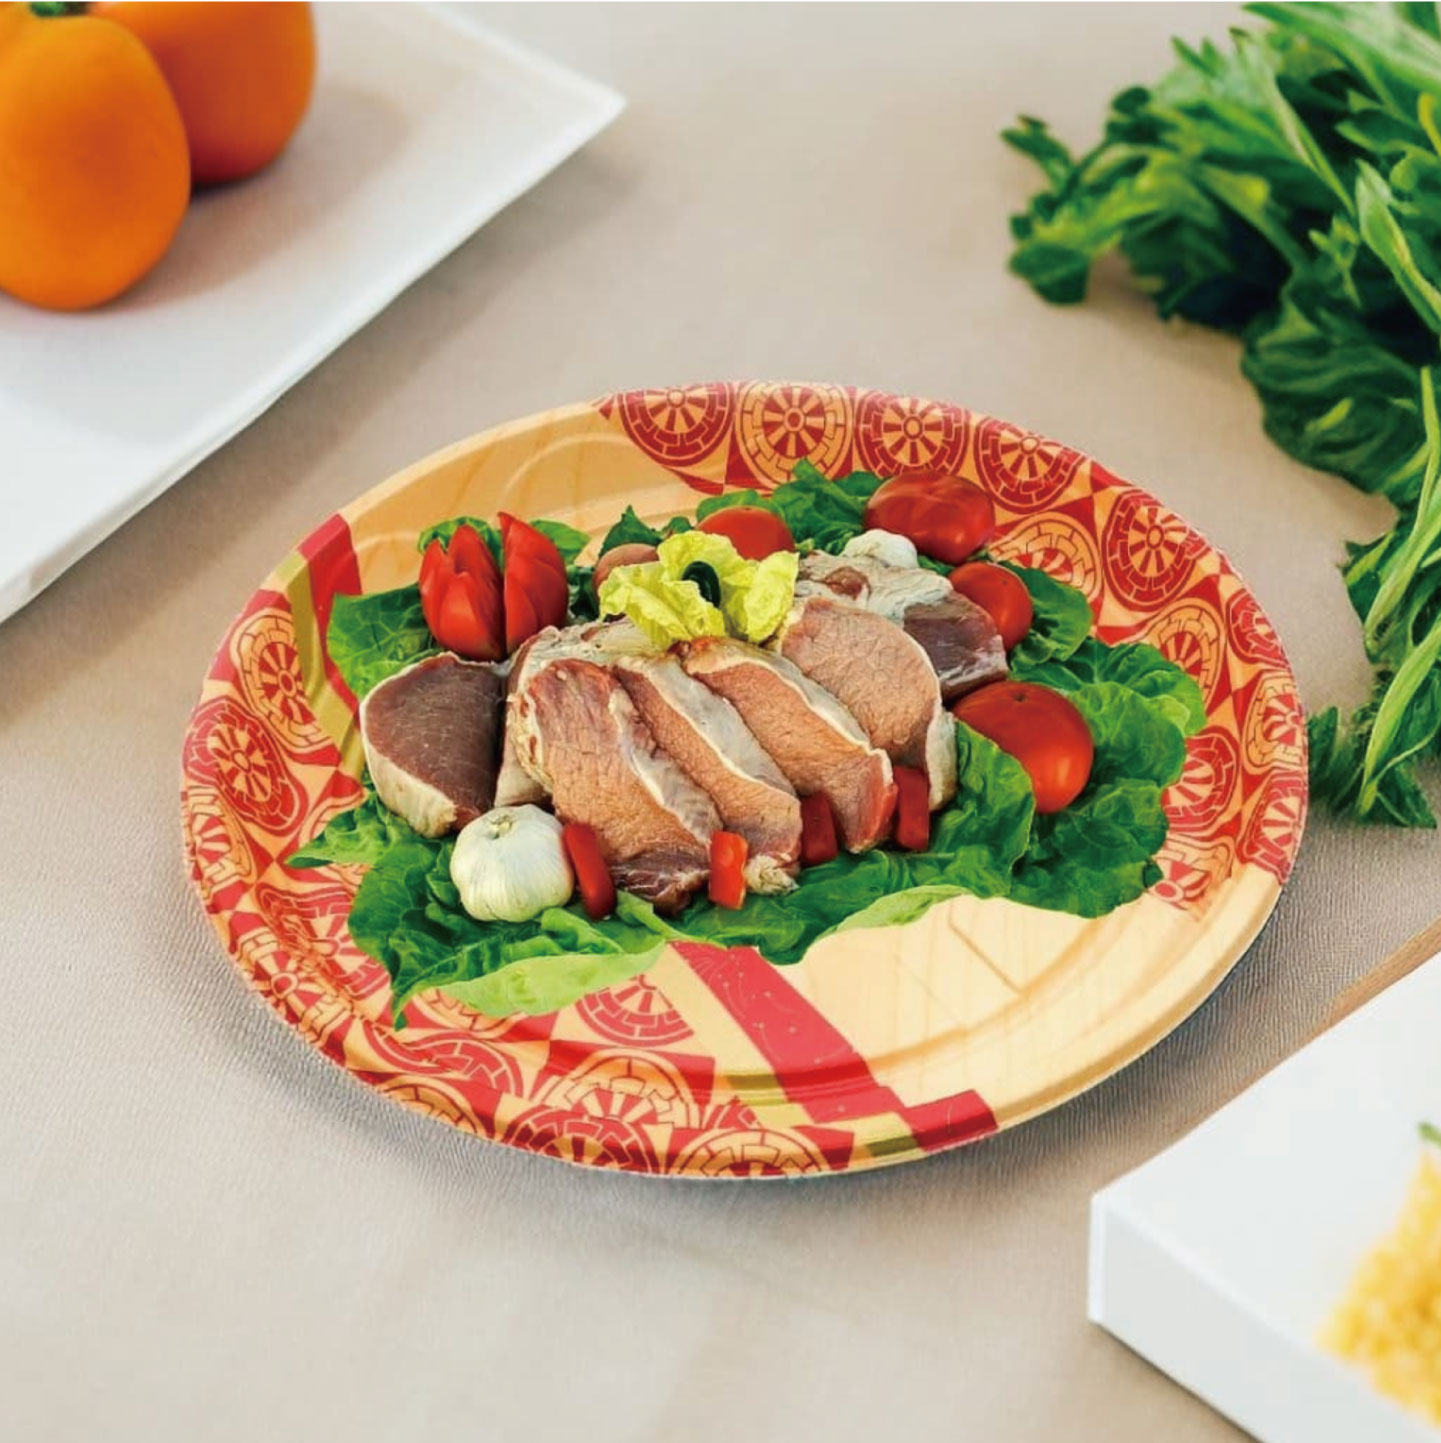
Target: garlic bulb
510,865
884,546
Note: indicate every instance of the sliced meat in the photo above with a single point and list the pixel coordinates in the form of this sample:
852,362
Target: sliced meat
581,738
589,641
813,739
883,677
432,739
514,786
705,736
958,636
961,641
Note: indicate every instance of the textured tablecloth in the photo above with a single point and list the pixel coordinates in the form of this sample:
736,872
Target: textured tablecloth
209,1233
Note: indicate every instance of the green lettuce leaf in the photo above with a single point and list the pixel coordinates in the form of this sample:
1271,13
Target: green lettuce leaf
1137,666
363,834
630,530
568,541
1060,622
372,637
1135,738
820,512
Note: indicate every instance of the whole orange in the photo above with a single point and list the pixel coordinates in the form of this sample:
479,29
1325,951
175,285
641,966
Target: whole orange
94,175
242,75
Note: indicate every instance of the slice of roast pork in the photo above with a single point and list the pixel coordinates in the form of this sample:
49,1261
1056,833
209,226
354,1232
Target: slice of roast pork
812,738
959,637
580,737
883,677
704,734
432,738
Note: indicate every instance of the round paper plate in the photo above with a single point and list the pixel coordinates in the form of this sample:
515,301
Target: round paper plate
880,1046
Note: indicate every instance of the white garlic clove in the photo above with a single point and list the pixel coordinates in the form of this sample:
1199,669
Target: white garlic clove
509,865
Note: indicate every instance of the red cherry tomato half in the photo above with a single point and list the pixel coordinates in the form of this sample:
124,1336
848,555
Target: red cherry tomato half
1000,592
752,530
1041,729
948,518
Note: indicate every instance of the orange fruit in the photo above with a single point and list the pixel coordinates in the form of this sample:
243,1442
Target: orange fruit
94,171
242,75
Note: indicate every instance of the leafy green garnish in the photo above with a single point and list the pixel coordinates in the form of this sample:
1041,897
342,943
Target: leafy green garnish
1288,190
1138,667
568,541
1061,618
373,637
822,513
363,834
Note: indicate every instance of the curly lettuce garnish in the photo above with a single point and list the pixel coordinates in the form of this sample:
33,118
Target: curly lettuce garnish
701,586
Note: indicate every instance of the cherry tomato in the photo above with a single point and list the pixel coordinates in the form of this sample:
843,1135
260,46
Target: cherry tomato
1041,729
752,530
948,518
1000,592
633,553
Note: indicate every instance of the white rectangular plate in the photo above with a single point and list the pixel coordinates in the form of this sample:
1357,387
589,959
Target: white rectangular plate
422,128
1221,1259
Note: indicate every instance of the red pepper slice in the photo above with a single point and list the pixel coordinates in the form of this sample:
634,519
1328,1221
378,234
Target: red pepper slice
818,830
913,809
728,853
592,876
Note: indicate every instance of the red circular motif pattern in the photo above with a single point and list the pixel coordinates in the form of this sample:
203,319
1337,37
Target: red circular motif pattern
1023,471
1275,729
1273,831
1191,869
1207,787
1190,634
751,1152
896,434
268,666
584,1138
222,853
1252,635
232,747
1059,544
679,426
639,1088
635,1012
1149,552
776,426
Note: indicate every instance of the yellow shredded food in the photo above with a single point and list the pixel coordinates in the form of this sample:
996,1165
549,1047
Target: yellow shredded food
1390,1321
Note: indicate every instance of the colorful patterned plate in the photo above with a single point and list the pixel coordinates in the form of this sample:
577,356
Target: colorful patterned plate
879,1046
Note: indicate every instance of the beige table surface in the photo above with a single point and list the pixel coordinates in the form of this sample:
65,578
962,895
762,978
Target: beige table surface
206,1232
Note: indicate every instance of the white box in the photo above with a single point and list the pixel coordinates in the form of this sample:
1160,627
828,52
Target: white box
1221,1259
